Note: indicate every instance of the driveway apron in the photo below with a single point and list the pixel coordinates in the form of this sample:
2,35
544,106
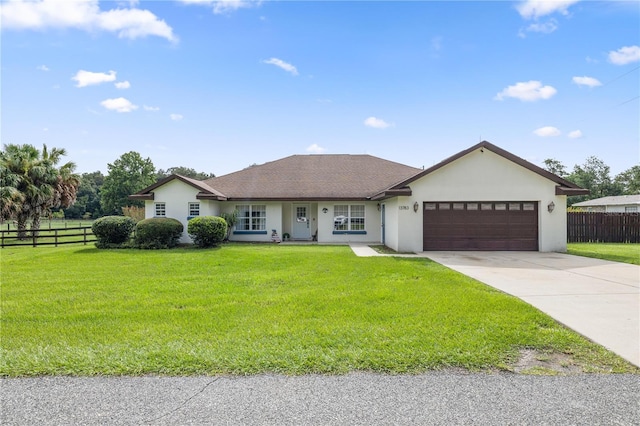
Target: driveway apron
598,299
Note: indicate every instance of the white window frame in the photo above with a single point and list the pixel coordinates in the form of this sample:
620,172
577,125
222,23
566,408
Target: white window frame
631,209
194,209
355,219
159,209
255,218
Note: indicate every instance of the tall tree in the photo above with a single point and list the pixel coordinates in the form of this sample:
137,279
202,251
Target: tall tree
88,199
629,180
555,167
10,197
127,175
184,171
41,184
594,176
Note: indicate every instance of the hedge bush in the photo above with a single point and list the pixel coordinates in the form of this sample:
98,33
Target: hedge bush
158,233
207,231
113,231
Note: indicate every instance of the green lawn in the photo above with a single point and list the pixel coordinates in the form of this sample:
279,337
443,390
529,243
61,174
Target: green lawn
627,253
247,309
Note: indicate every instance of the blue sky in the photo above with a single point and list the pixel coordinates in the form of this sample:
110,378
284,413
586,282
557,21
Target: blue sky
218,86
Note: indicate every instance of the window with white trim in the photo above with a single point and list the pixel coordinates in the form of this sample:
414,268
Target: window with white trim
160,209
630,209
194,209
251,217
349,217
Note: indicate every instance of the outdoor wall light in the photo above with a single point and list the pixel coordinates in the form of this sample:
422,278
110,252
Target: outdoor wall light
416,206
324,210
378,206
551,206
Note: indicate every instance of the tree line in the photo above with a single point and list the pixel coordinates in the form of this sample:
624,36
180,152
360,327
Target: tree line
34,186
595,176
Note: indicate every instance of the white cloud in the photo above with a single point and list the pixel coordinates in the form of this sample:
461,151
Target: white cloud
625,55
224,6
119,105
150,108
282,64
315,149
547,131
88,78
527,91
176,117
543,27
587,81
376,123
575,134
42,68
84,15
534,9
122,85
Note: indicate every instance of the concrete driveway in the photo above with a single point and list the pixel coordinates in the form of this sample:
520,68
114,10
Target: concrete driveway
598,299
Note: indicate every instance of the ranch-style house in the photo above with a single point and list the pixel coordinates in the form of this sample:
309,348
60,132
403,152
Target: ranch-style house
482,198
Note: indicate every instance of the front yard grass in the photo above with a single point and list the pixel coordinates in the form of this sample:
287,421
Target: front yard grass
248,309
617,252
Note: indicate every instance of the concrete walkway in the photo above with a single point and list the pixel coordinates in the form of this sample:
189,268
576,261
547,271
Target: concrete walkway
597,298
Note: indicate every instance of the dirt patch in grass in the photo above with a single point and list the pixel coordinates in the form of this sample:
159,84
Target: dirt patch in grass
536,362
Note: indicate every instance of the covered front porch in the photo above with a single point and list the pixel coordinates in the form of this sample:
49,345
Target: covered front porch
312,221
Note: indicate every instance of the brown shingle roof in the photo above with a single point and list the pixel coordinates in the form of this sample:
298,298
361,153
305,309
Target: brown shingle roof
313,177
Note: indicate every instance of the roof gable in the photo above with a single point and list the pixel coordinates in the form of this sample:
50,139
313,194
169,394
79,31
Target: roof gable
206,192
564,187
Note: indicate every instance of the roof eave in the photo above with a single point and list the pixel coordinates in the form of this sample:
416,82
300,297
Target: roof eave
563,190
390,193
214,197
142,197
297,199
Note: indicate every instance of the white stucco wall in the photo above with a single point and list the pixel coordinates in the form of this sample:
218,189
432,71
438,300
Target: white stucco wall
481,176
274,221
391,237
177,195
616,209
372,224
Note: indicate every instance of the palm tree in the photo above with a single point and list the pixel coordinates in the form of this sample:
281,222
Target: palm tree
17,161
40,183
10,198
57,187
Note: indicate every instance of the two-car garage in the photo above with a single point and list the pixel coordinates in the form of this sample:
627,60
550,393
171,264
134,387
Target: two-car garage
482,198
496,225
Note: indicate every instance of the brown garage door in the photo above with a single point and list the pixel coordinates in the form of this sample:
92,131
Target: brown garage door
480,225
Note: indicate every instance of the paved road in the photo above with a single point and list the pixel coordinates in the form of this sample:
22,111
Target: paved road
597,298
439,398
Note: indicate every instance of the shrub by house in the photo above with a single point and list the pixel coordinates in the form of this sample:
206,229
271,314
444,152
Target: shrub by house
207,231
158,233
113,231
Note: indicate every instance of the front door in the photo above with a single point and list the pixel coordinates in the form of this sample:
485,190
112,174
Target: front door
301,227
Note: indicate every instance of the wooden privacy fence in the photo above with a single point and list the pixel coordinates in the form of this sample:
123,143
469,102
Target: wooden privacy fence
592,227
48,237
